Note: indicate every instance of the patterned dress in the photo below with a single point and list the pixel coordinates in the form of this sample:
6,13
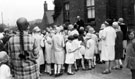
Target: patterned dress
23,69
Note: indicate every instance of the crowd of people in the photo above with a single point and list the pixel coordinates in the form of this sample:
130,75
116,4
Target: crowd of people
65,48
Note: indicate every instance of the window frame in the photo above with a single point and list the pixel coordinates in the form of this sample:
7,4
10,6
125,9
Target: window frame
90,6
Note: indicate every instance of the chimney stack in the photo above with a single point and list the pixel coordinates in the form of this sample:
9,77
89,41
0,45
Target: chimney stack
45,6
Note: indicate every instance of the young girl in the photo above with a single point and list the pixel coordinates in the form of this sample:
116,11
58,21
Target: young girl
70,59
82,51
47,43
78,56
4,68
90,47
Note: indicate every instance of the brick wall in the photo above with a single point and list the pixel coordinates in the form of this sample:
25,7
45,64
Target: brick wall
76,9
103,9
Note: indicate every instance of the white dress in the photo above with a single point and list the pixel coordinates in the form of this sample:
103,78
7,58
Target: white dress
47,43
58,48
76,45
5,72
39,38
95,38
90,47
82,50
100,42
48,49
70,58
108,51
71,33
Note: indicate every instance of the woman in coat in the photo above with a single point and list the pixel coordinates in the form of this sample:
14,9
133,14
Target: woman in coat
37,35
118,46
47,43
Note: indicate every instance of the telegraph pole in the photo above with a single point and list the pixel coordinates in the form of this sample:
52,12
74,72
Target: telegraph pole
2,17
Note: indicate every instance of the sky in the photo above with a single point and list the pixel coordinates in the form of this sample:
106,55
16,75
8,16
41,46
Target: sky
30,9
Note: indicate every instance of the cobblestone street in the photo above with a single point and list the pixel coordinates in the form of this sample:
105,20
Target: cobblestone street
94,74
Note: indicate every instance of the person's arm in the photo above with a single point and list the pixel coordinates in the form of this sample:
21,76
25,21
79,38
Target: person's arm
103,37
43,42
88,45
35,50
70,49
6,71
9,76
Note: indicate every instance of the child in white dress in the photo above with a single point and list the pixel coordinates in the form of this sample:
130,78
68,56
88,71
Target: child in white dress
90,48
77,45
70,58
82,51
47,43
4,68
38,37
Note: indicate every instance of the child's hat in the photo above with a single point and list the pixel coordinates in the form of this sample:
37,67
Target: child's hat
36,29
88,36
3,56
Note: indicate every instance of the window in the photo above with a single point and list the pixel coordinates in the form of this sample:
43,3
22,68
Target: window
66,12
90,9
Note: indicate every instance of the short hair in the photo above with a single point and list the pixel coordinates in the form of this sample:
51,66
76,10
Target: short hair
109,21
70,38
75,36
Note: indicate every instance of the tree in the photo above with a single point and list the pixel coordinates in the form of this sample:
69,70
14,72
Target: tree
2,26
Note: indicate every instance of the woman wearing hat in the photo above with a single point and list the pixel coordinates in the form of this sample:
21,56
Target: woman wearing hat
118,46
37,35
101,42
108,37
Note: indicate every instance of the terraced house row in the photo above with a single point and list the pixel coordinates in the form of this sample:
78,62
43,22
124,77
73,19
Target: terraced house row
94,12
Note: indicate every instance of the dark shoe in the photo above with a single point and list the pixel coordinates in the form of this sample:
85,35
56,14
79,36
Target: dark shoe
51,74
89,68
59,74
70,73
76,70
116,68
93,67
55,75
121,66
83,69
106,72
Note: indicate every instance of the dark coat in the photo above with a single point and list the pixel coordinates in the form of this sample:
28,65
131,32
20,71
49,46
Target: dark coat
119,45
80,23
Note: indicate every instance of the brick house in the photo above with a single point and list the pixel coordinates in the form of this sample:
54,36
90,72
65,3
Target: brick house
47,17
96,11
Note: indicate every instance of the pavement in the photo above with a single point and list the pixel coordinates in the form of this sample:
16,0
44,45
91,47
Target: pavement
94,74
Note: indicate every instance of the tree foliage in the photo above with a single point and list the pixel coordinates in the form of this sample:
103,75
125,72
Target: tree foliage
2,27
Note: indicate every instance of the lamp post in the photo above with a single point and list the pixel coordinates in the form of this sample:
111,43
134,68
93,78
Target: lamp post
2,17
